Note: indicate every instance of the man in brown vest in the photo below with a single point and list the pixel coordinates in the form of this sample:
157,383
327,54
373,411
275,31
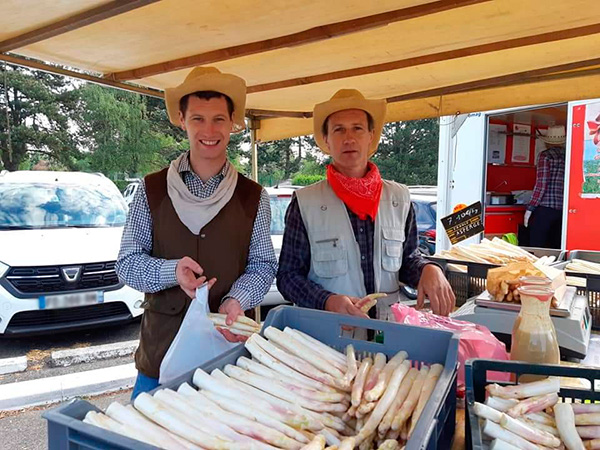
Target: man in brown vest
197,220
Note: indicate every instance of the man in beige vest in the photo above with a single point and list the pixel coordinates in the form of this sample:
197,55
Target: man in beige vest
354,234
197,220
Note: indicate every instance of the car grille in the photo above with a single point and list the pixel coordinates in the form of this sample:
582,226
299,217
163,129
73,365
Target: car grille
37,318
47,279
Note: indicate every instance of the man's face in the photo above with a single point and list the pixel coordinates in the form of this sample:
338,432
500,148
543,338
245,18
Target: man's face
208,126
348,138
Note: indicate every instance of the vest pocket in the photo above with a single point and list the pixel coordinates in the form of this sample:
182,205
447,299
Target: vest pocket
329,258
392,245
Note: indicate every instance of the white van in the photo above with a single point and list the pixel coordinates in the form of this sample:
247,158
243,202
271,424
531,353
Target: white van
60,234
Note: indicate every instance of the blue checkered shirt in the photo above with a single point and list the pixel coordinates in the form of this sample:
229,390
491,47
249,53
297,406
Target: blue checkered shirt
136,268
294,260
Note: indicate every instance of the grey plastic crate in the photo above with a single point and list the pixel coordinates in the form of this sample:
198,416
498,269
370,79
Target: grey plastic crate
434,430
472,282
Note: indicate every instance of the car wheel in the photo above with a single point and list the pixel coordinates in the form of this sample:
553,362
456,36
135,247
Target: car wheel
409,292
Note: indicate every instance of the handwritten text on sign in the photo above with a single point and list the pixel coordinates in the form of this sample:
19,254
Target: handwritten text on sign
464,224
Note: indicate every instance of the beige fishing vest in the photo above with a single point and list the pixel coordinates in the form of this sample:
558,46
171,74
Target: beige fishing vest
335,254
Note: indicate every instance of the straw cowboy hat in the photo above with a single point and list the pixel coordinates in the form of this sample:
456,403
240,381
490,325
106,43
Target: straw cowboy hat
349,99
555,135
209,79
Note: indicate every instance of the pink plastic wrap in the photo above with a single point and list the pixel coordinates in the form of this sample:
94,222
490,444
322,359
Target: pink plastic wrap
476,341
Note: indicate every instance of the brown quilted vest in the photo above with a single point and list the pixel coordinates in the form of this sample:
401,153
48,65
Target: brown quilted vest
221,249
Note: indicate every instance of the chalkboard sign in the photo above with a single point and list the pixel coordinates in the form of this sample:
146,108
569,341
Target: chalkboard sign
464,224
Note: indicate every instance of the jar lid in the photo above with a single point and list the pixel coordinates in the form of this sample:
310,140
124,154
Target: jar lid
541,293
535,281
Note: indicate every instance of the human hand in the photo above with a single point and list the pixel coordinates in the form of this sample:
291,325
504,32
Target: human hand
232,308
526,218
344,304
186,272
434,285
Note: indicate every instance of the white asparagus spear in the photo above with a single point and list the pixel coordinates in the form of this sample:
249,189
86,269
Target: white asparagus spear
533,404
411,401
495,431
525,390
318,443
585,408
240,319
279,390
367,444
135,420
377,390
403,392
541,417
384,404
389,444
593,444
360,380
314,419
332,447
207,423
220,322
302,351
565,422
432,377
330,437
302,390
499,444
273,363
485,412
187,444
257,415
588,432
347,444
540,426
501,404
261,369
239,332
333,353
352,368
110,424
529,433
366,408
373,378
587,419
298,364
152,409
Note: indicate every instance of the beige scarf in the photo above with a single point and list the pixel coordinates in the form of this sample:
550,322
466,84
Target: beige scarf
195,212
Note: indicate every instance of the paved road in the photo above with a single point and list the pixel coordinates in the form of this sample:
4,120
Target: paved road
27,430
22,346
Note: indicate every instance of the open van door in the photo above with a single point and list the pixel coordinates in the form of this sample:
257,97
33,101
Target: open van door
582,177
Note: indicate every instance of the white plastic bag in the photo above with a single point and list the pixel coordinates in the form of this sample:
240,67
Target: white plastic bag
196,342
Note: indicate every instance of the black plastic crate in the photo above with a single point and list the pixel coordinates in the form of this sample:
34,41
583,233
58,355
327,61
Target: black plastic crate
434,430
476,375
472,282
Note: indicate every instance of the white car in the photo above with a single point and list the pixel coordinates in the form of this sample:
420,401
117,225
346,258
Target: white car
130,190
60,234
280,200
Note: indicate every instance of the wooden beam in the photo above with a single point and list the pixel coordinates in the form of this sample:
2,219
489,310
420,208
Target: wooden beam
270,113
83,19
432,58
302,38
34,64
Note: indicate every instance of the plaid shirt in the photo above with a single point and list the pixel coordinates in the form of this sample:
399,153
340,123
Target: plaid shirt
136,268
294,260
549,185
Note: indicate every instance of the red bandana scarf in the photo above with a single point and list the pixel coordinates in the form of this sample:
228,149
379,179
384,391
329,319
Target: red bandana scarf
361,195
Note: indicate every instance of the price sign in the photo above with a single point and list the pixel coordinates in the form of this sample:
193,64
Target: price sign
464,224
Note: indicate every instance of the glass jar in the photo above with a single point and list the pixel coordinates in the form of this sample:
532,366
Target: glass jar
534,337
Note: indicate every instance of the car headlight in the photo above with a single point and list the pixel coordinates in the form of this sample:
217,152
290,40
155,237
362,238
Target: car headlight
3,269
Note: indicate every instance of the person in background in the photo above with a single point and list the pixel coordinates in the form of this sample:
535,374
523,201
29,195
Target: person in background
197,220
354,233
545,209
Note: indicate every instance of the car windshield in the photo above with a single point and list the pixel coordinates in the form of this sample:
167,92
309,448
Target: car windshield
279,204
40,205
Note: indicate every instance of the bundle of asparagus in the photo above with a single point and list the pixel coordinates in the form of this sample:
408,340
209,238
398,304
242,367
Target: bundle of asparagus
529,416
295,393
243,325
581,266
495,251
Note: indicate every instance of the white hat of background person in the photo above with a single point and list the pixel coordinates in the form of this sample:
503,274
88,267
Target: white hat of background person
555,134
349,99
209,79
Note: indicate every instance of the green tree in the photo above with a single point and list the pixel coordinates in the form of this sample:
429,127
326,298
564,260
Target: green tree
35,108
408,152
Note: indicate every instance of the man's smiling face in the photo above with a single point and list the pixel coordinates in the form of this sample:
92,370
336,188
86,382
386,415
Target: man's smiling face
208,126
